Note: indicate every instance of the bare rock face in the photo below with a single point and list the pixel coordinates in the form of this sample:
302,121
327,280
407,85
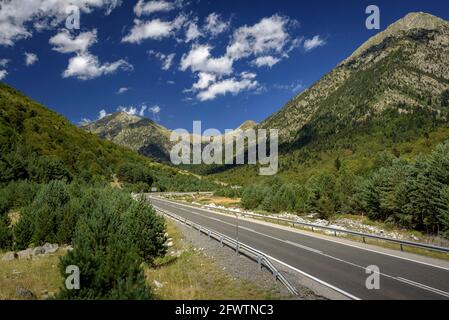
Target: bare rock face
25,254
32,253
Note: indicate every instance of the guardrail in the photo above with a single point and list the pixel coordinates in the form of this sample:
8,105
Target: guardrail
335,231
254,254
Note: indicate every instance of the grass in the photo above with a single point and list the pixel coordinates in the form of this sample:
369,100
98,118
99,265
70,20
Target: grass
41,276
192,276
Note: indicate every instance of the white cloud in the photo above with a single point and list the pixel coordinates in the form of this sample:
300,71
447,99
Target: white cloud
315,42
166,59
4,62
129,110
64,42
3,74
153,29
269,35
20,18
199,59
224,87
142,110
155,109
145,8
248,75
192,32
269,61
86,66
215,25
102,114
133,110
122,90
204,80
30,58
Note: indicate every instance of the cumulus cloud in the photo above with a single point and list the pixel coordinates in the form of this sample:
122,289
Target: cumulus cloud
199,59
20,18
3,74
86,66
268,61
223,87
30,58
315,42
215,25
166,59
153,29
268,35
64,42
145,8
192,32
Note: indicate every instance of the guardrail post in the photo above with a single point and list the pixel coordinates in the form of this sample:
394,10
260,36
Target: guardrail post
313,230
275,274
221,241
335,233
209,235
259,262
364,241
237,248
402,248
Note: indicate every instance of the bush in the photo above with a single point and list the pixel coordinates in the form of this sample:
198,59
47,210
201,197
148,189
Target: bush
108,259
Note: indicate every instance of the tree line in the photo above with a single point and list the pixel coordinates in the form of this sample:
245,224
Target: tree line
410,194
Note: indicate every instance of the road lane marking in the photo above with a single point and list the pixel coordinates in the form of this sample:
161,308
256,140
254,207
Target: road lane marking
314,236
423,286
409,282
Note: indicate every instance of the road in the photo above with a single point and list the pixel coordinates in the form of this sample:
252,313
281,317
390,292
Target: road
340,265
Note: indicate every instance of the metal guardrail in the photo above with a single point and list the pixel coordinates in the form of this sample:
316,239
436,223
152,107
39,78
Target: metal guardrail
402,243
254,254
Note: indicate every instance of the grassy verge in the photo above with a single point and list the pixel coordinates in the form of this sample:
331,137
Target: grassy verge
192,276
41,276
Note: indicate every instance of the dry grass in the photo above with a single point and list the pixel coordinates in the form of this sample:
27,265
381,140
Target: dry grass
41,276
193,277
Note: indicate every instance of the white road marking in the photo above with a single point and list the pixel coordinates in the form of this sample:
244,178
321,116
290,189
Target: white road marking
320,238
403,280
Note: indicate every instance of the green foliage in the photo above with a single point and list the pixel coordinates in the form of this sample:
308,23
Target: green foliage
110,244
39,145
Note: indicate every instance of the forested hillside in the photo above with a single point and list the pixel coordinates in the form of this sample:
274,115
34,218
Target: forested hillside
39,145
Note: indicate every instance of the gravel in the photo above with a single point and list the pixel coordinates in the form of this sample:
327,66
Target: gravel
243,268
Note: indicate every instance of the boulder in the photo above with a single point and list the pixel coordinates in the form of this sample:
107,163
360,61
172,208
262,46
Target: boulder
25,254
9,256
50,248
38,251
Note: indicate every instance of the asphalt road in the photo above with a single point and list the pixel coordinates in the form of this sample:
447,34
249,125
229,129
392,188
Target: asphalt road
342,266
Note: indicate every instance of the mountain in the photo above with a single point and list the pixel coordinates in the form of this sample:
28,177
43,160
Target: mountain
137,133
141,134
40,145
391,94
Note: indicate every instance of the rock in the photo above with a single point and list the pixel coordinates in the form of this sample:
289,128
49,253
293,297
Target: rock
38,251
50,248
158,284
9,256
170,244
24,293
25,254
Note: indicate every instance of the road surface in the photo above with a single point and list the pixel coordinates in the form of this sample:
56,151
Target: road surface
340,265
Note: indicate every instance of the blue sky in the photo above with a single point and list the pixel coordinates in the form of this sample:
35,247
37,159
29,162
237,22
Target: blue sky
221,62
